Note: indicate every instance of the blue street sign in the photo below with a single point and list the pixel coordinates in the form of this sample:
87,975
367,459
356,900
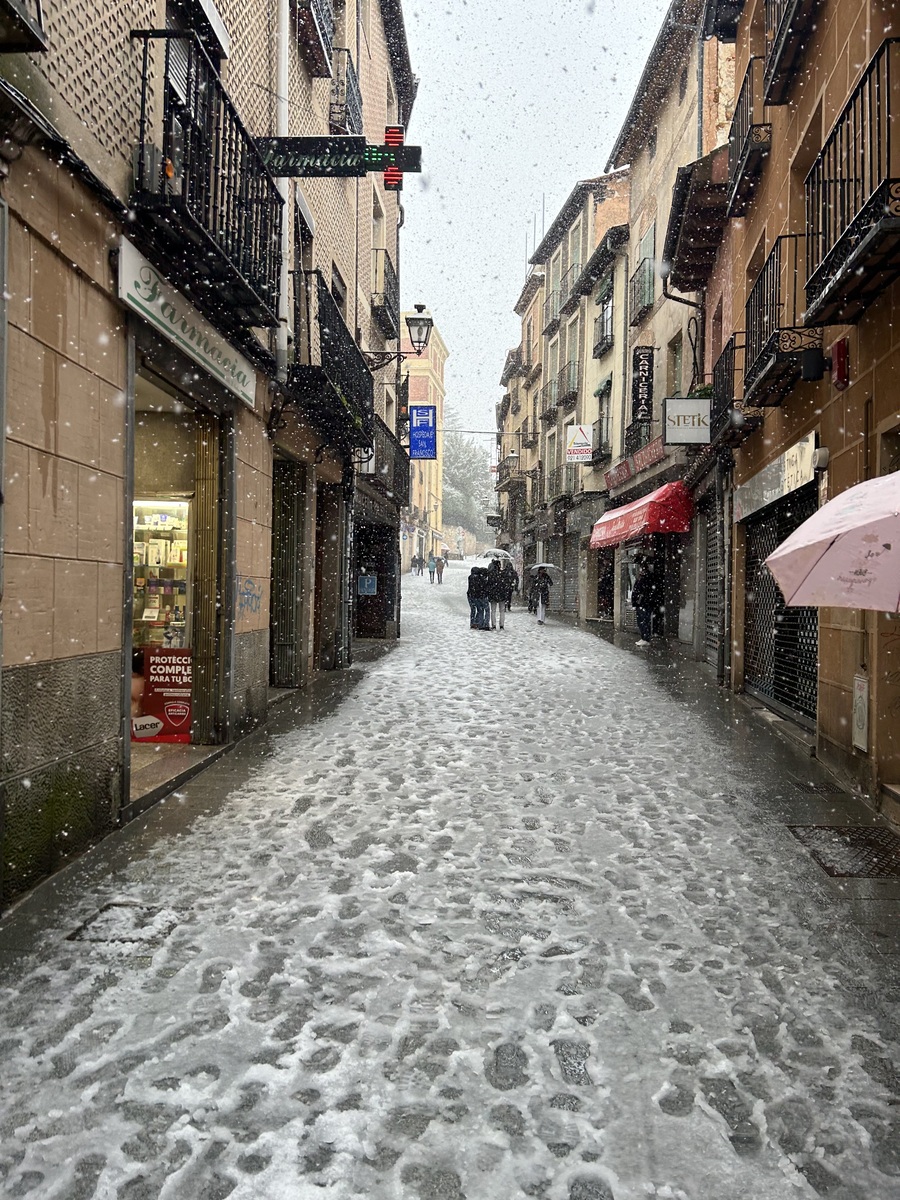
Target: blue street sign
422,431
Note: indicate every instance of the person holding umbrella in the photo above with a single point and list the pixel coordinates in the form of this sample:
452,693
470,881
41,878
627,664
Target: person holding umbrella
541,587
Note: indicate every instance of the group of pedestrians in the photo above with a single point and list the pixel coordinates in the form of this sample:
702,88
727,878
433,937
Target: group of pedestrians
490,592
434,566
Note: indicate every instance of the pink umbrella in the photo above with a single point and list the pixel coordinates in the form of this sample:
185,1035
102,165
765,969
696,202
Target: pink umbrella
847,555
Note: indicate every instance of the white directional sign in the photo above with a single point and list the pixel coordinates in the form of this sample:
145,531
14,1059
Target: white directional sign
579,443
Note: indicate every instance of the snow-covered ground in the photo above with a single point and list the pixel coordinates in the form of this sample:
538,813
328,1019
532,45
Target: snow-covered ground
512,921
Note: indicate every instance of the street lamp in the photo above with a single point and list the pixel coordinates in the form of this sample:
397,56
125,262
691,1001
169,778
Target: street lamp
419,325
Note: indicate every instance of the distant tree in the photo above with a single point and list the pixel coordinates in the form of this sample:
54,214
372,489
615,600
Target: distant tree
468,487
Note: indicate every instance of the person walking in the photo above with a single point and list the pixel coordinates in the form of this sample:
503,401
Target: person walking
432,566
477,595
645,602
439,568
510,582
542,585
496,594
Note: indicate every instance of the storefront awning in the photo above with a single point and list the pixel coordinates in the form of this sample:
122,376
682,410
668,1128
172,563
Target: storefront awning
667,510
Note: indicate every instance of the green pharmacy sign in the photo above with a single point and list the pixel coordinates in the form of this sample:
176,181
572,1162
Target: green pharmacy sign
345,156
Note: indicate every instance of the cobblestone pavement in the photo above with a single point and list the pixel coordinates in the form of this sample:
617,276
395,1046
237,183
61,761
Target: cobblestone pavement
518,915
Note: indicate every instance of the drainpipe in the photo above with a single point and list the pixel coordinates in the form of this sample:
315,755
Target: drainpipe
701,84
282,44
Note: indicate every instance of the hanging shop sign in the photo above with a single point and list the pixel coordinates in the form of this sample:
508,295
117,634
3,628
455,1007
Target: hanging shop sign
344,156
687,421
618,475
642,383
166,701
579,443
422,431
790,471
149,293
649,455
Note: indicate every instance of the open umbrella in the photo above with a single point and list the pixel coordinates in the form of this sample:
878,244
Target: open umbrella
496,552
551,566
847,555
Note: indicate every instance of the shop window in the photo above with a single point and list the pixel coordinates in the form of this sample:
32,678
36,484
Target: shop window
890,452
675,366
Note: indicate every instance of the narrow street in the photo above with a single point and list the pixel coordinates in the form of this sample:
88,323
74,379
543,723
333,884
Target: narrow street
517,914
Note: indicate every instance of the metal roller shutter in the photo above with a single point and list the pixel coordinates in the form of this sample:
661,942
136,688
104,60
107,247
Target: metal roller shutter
780,644
713,588
570,572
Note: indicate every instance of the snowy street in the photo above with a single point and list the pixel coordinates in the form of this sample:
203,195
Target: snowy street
518,915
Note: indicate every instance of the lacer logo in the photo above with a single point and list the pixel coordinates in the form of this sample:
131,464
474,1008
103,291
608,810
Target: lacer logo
177,712
145,727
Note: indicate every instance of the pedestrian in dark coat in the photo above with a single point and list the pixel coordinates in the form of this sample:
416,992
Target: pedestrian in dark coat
497,593
477,595
645,600
510,582
542,585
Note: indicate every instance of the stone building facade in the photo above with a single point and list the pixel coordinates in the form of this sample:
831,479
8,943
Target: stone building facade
187,399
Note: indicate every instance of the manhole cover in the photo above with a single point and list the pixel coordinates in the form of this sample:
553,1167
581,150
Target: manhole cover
122,921
853,851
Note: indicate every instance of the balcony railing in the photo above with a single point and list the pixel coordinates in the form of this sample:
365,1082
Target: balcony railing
551,312
387,467
567,291
730,422
637,434
749,141
330,380
22,27
206,201
548,401
560,482
509,475
385,295
853,199
603,331
315,35
345,114
567,389
530,431
776,336
787,28
641,291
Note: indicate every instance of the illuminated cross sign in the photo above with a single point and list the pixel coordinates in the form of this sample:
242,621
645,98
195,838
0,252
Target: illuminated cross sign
344,156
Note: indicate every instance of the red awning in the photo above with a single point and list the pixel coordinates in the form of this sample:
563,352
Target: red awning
667,510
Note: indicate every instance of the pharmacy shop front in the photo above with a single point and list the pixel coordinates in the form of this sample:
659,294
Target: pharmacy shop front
183,535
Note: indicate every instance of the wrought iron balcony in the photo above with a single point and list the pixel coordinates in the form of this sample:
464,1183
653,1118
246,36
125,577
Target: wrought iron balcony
385,295
345,114
329,380
787,28
641,291
749,141
551,313
603,331
730,421
776,335
637,434
387,467
853,200
567,386
548,401
206,203
315,35
22,27
530,433
560,482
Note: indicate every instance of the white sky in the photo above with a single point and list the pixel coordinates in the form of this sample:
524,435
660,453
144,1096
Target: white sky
517,101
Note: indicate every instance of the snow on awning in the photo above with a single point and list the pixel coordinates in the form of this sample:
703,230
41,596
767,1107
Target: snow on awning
667,510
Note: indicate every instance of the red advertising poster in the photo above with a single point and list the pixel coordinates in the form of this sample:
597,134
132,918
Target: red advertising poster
165,708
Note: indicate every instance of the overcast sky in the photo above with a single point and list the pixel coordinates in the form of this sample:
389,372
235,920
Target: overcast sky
517,102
